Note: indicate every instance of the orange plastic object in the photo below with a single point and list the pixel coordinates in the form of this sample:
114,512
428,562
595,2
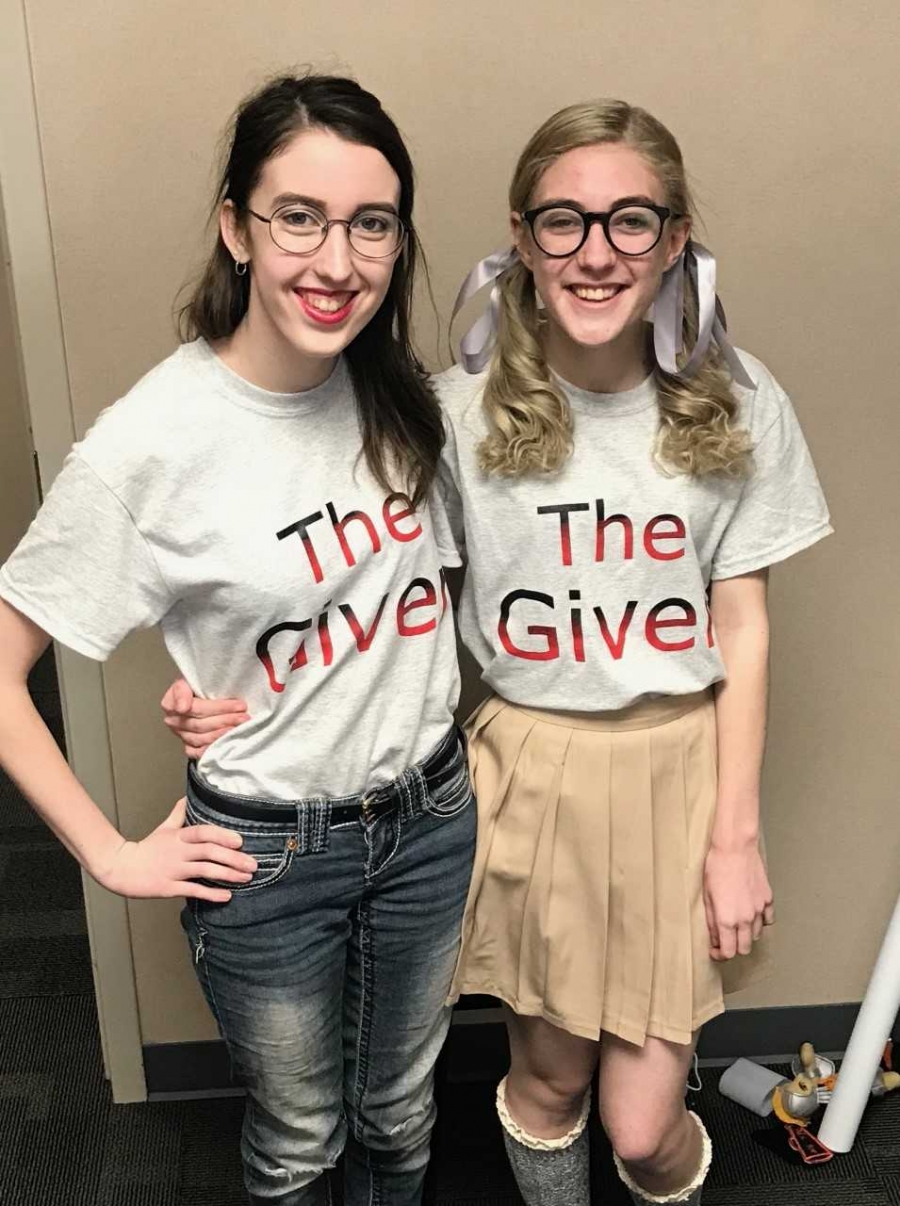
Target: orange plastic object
808,1145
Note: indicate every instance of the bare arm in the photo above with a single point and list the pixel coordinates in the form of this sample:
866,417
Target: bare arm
162,864
737,891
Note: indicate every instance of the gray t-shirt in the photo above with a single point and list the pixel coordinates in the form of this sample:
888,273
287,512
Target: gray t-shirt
243,524
588,588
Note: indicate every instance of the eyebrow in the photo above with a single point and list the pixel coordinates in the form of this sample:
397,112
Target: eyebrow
302,199
637,199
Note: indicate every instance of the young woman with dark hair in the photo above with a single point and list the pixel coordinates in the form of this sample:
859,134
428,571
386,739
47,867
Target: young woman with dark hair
263,496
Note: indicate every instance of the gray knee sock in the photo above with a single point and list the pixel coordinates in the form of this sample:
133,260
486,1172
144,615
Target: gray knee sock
689,1195
549,1172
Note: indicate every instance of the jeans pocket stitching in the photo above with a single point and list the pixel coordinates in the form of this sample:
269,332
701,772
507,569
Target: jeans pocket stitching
446,810
278,872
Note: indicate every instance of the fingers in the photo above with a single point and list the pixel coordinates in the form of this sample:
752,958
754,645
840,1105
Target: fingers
195,746
221,856
769,914
200,709
727,944
218,722
178,698
213,834
202,892
731,940
220,871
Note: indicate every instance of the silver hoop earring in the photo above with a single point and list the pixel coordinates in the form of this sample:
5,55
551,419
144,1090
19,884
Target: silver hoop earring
239,268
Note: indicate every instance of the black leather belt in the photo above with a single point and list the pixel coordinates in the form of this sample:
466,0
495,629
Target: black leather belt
369,805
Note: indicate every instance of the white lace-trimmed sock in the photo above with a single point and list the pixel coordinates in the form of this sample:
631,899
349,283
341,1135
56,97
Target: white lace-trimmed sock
689,1195
549,1172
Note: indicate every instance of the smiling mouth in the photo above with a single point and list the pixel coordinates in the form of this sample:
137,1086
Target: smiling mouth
595,293
328,303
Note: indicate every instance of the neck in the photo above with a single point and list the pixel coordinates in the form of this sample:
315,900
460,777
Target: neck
609,368
259,354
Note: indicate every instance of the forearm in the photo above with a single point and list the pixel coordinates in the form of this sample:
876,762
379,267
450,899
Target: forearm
32,759
741,727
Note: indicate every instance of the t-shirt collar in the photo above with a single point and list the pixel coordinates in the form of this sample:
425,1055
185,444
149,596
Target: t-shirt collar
253,397
626,402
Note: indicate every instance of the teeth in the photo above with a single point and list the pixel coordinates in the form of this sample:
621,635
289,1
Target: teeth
597,293
328,305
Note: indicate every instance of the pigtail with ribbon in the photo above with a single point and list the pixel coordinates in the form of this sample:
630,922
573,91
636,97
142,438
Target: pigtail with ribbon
697,263
476,345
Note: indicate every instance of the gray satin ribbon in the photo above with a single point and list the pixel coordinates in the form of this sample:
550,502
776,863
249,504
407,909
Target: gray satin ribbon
477,344
668,316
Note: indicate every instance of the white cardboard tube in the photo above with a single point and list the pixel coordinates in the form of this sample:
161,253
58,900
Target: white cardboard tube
870,1032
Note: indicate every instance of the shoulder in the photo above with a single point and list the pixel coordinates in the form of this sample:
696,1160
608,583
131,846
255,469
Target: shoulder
460,395
153,421
766,402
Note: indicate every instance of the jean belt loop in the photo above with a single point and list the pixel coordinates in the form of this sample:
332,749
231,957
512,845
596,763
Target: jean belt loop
318,823
302,828
417,790
404,788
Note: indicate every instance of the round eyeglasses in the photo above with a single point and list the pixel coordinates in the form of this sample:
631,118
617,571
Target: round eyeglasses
561,230
302,229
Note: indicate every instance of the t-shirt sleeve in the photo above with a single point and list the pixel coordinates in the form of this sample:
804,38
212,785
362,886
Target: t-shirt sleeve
782,509
440,505
447,491
83,572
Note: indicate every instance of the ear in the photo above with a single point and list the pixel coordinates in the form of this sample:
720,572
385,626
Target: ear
679,233
233,233
522,240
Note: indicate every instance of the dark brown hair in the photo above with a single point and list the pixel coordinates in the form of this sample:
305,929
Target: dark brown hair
399,415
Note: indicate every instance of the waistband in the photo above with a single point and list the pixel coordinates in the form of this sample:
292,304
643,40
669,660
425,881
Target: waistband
646,713
407,791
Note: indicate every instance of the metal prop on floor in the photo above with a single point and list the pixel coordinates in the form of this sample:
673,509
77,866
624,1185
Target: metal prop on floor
796,1101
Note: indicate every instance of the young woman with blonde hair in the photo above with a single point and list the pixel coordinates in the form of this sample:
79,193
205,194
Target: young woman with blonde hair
618,491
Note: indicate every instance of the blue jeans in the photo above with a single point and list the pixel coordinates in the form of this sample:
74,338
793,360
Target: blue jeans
327,974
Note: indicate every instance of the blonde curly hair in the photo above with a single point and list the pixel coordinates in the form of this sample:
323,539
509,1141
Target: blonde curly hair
530,423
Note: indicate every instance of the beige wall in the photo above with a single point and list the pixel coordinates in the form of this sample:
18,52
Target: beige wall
18,493
787,114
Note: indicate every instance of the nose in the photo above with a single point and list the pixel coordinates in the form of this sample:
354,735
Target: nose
596,251
334,261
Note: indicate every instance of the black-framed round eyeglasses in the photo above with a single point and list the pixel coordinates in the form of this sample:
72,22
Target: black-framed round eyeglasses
561,230
302,229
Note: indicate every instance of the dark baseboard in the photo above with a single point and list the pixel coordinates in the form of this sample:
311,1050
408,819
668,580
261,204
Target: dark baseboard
476,1048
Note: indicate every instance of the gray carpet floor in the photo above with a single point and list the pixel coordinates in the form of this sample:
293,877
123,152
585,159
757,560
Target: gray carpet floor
63,1142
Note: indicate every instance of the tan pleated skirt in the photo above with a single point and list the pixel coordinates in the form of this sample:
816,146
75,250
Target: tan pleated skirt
586,904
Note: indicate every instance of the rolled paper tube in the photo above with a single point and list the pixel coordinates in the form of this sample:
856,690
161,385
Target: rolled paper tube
750,1085
873,1025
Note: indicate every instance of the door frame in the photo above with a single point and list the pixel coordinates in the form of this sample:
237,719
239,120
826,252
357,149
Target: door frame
36,310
